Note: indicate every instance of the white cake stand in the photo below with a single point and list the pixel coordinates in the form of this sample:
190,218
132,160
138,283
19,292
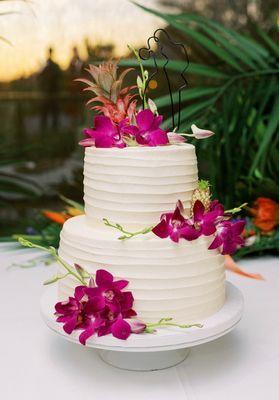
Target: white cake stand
163,349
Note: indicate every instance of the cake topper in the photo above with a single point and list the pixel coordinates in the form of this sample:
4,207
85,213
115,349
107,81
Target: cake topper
146,53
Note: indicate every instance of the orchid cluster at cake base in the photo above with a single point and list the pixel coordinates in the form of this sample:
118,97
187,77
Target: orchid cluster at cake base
206,218
100,304
121,124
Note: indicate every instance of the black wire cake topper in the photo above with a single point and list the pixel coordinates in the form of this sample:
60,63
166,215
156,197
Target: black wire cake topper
147,53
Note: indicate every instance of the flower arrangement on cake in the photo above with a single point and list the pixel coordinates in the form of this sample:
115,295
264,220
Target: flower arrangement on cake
122,123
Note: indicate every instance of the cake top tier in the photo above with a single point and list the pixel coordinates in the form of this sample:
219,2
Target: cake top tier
135,185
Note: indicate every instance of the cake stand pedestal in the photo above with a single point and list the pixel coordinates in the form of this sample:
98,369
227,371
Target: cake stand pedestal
149,352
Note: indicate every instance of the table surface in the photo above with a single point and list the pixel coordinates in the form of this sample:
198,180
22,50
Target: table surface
35,363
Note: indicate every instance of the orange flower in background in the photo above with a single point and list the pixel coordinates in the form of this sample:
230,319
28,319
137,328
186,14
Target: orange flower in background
57,217
265,213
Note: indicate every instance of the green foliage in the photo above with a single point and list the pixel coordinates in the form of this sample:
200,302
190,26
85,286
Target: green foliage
237,97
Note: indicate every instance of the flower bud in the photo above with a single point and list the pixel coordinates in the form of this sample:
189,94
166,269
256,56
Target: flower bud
137,326
201,133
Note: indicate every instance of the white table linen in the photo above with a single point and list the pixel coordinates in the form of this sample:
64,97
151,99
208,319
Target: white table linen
37,364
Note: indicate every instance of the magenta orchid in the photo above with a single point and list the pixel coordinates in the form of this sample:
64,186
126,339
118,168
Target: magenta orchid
214,221
175,226
228,236
105,133
80,312
147,132
204,221
100,309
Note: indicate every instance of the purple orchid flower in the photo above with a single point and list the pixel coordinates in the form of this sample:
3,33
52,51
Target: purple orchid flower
206,221
105,133
114,322
175,226
80,312
228,236
98,308
148,131
111,291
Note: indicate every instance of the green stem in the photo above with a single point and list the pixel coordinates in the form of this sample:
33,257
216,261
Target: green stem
150,327
144,79
157,324
52,251
127,234
236,209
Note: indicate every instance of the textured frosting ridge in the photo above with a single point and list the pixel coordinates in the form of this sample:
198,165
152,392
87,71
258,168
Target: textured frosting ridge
135,185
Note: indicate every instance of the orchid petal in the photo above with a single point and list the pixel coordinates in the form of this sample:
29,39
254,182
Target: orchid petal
121,329
145,119
198,211
217,242
103,277
70,325
87,142
121,284
162,229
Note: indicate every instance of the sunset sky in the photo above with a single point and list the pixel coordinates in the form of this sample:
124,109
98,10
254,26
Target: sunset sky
63,23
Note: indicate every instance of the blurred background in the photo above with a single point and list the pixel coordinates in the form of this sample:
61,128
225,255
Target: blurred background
233,90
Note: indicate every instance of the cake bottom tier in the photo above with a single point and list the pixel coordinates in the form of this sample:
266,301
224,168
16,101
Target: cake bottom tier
184,280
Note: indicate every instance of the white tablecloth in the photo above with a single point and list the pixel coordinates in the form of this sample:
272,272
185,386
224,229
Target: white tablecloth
37,364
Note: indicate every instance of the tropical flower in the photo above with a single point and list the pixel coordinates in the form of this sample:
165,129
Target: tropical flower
111,292
98,308
204,221
57,217
80,312
266,214
147,131
105,133
175,226
228,236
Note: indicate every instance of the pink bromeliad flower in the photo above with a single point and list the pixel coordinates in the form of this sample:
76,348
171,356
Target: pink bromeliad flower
105,133
147,132
228,236
101,309
175,226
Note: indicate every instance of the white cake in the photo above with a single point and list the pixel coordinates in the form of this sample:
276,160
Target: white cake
133,187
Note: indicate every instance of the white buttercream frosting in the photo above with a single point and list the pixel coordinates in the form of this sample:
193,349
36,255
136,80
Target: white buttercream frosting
135,185
184,281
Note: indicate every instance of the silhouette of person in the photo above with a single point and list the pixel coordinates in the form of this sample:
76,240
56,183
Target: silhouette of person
50,83
74,71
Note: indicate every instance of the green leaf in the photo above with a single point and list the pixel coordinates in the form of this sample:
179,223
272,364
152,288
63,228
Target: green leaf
177,66
189,111
270,43
271,129
72,203
197,36
249,46
188,94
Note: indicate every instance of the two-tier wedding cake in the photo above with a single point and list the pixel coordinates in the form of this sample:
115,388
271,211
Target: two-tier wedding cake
134,186
149,250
